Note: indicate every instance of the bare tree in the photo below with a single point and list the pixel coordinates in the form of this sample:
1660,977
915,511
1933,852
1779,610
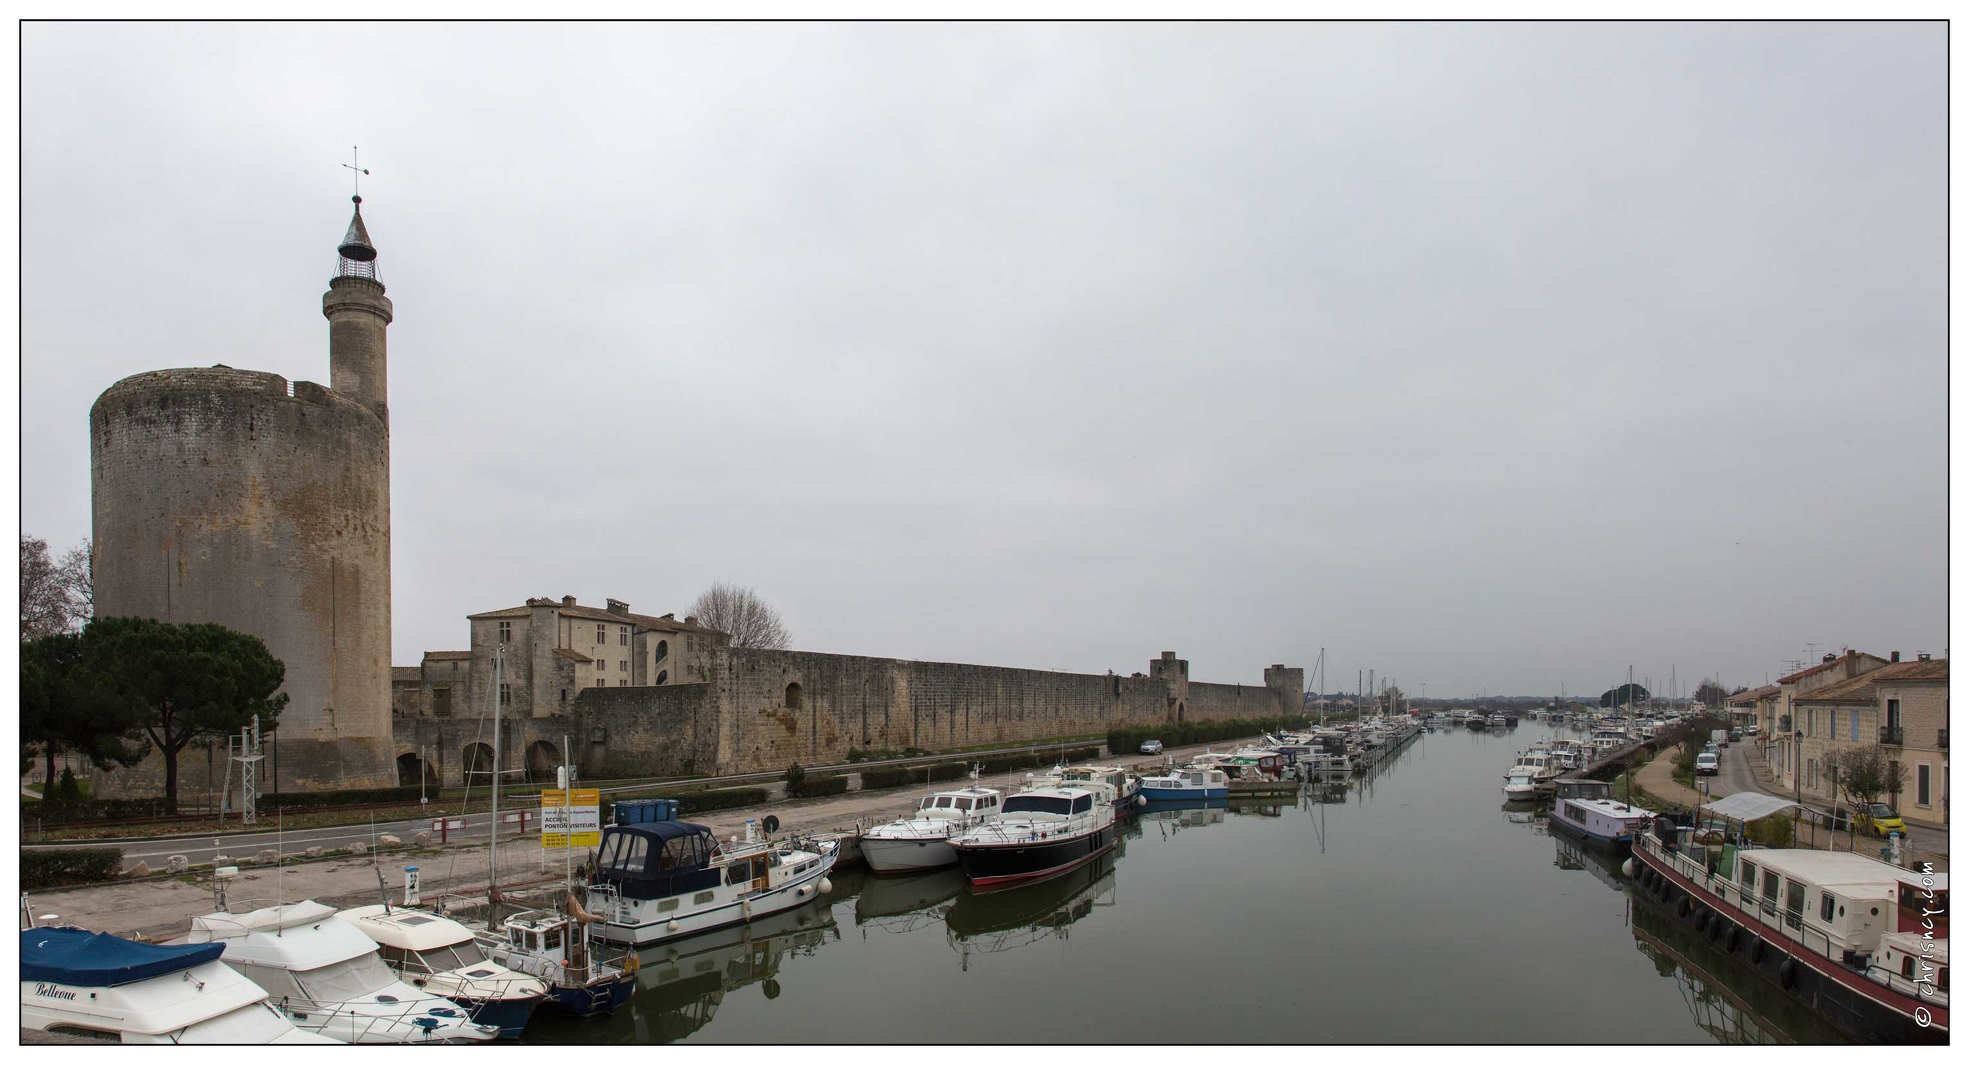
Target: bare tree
48,589
739,611
77,573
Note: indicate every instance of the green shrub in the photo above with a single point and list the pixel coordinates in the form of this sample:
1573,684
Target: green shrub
898,777
795,776
60,813
67,789
54,868
1773,832
307,800
813,787
722,799
1082,754
1006,763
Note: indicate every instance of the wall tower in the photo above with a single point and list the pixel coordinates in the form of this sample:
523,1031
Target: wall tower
239,498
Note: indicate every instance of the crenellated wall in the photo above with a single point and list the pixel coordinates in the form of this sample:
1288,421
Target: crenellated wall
765,710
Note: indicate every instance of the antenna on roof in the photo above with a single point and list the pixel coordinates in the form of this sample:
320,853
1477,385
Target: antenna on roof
355,154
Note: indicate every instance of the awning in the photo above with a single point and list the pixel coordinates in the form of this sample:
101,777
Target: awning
1748,806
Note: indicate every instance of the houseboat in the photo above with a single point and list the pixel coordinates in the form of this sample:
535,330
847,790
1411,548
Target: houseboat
1125,787
1586,809
921,842
1841,932
664,880
97,986
1041,832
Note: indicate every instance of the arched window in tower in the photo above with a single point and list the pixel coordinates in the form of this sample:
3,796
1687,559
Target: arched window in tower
663,676
662,650
793,696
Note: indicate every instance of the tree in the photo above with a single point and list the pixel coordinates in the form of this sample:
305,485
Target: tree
68,703
1624,695
1711,693
1862,773
56,595
189,681
738,610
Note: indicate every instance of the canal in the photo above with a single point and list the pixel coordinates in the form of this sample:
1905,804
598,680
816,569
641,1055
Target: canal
1409,906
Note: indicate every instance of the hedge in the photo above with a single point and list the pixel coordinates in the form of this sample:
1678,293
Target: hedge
54,868
701,801
1124,741
900,776
302,800
56,813
814,787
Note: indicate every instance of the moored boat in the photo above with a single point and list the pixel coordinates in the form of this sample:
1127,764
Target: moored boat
443,957
1040,833
669,879
1587,810
97,986
921,842
1189,782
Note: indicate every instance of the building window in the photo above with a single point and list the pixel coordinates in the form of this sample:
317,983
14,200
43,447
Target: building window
1856,726
662,650
1921,784
662,676
1893,713
505,695
622,635
622,665
622,683
601,682
441,700
601,634
563,696
505,632
454,665
793,696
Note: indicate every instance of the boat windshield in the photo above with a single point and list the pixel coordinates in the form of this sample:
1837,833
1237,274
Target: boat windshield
364,974
1038,804
459,955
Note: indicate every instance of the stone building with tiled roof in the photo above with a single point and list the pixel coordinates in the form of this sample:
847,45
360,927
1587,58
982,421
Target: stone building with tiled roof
553,649
1902,706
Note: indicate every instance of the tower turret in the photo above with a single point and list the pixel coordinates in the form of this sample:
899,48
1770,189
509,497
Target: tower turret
359,318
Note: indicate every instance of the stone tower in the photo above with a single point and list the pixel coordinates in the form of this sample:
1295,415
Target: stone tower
235,497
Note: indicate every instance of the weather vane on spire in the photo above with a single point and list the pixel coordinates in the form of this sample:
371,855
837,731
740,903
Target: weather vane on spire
355,154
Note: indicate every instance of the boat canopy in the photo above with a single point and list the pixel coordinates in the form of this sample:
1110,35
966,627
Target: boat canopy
1747,806
82,958
657,859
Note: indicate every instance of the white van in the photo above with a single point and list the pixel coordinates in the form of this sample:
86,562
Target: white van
1706,764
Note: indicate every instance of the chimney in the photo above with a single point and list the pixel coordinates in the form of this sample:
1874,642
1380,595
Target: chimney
567,600
1894,657
617,606
672,616
1923,655
689,619
1829,657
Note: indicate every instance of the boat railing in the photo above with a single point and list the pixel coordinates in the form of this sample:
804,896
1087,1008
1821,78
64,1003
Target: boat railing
327,1018
1727,894
1916,989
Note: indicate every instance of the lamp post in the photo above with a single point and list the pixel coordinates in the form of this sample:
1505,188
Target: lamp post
1798,770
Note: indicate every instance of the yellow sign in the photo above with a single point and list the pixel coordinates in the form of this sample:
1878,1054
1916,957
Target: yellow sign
571,819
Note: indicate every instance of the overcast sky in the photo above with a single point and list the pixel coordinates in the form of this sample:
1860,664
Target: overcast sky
1489,357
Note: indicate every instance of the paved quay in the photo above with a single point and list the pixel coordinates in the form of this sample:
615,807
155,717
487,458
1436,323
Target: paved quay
1739,773
162,908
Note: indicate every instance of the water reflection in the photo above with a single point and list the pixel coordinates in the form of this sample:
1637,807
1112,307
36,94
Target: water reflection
681,985
1571,855
1000,921
1727,1001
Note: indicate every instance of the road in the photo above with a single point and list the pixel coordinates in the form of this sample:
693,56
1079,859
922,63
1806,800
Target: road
1735,774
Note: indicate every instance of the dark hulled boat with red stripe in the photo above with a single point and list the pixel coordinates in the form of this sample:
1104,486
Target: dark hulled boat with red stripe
1040,833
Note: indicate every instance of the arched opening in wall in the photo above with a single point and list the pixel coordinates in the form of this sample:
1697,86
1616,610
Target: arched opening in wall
412,770
1179,713
478,765
793,696
663,676
542,759
662,650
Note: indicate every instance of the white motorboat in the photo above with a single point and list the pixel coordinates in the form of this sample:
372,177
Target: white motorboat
921,842
443,957
665,880
328,977
1195,782
1039,833
98,986
1126,788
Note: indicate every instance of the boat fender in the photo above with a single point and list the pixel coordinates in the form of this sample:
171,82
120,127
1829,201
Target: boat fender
802,890
1788,974
1730,938
671,926
633,961
1140,801
1713,927
826,886
1756,950
1682,907
1627,868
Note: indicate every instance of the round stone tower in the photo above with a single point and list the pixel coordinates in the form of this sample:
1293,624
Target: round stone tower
235,497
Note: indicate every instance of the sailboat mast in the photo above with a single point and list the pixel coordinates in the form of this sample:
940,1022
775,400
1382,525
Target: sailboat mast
498,679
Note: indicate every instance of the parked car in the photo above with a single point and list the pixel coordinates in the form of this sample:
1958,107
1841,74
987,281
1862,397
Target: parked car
1706,764
1151,746
1736,734
1882,819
